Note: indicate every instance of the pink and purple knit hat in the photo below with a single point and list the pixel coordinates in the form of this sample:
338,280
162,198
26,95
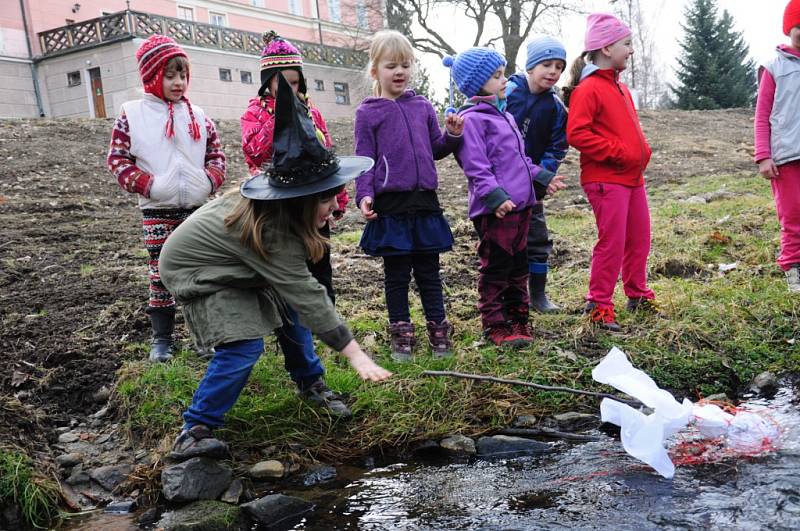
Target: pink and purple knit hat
279,54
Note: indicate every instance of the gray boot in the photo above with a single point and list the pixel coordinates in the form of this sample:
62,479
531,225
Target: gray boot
161,346
539,301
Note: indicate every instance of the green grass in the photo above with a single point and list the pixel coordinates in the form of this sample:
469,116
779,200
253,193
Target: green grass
36,497
720,330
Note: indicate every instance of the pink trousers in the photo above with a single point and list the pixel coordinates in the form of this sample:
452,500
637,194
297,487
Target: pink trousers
623,242
786,191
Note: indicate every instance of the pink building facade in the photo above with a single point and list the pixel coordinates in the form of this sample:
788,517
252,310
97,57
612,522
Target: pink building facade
76,58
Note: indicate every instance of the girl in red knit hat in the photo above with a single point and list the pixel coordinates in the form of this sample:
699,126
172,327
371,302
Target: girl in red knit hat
777,139
168,153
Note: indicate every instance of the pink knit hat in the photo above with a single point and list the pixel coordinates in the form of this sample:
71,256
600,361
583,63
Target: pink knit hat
603,29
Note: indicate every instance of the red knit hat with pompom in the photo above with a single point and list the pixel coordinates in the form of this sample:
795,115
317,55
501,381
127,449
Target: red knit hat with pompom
153,56
791,16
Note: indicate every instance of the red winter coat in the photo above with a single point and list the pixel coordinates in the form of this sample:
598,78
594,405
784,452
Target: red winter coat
604,127
258,126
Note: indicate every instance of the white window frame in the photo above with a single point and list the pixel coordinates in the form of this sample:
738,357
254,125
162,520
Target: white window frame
181,10
220,16
362,19
341,90
295,7
335,11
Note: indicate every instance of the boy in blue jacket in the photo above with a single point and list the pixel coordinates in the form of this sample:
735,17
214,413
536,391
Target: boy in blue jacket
542,119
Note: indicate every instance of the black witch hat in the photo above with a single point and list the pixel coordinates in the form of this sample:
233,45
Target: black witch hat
301,165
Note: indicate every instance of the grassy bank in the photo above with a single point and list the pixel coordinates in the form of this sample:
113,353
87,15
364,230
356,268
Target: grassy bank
22,487
721,328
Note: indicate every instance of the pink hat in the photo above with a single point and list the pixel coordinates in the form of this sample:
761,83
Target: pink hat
603,29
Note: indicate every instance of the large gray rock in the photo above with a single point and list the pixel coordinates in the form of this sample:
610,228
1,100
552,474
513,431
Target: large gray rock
458,444
109,477
267,469
765,384
204,515
198,478
508,446
574,421
277,510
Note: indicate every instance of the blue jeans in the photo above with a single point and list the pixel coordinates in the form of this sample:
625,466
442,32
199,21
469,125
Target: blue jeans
225,377
299,357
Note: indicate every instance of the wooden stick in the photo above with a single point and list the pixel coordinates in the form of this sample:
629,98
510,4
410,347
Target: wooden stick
494,379
546,432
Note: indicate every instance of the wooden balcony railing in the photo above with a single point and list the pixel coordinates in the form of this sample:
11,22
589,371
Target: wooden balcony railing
126,24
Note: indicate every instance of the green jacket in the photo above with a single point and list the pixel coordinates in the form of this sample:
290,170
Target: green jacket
229,293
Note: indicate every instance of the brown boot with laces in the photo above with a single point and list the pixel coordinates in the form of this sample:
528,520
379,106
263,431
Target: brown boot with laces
439,338
403,340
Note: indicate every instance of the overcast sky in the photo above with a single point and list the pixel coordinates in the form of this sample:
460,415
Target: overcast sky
760,21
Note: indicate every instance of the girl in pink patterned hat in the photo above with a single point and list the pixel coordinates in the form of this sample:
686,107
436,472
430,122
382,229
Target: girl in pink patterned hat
168,153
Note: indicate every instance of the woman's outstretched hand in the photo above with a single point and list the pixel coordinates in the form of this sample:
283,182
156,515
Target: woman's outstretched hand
363,364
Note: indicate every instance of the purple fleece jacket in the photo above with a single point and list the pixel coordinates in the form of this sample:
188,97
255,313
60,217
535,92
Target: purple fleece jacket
493,158
403,137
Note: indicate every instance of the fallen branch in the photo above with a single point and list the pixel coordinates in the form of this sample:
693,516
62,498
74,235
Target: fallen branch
552,388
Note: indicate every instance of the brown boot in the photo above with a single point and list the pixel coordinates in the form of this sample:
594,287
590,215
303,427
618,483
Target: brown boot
439,338
403,340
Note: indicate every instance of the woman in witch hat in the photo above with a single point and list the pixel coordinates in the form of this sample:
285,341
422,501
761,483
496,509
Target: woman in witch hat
239,261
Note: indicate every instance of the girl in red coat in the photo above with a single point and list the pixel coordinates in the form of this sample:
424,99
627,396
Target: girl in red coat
604,127
281,58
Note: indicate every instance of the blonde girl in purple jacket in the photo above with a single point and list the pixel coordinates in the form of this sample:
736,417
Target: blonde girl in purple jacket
399,130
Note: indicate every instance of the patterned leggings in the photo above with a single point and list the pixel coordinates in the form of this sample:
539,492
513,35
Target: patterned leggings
158,225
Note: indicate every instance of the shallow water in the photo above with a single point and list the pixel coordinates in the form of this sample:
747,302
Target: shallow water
592,485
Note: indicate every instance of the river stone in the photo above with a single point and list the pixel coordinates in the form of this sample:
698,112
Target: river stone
277,510
526,421
319,475
458,444
719,397
68,437
121,507
234,492
206,515
266,469
68,460
109,477
765,384
574,421
199,478
509,446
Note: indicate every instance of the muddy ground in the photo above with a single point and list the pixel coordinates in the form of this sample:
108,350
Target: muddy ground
73,280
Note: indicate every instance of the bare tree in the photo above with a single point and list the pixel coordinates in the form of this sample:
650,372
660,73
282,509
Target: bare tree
516,19
646,71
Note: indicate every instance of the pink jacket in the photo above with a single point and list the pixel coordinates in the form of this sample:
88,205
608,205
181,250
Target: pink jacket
258,125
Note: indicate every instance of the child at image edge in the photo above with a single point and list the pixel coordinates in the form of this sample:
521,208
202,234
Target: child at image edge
542,120
500,184
281,57
777,140
167,151
400,132
604,127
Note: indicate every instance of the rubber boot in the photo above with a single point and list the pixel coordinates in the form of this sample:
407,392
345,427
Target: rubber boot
161,346
539,301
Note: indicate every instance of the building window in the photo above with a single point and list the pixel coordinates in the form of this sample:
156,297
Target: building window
361,15
257,3
247,77
73,78
225,74
334,11
319,85
217,19
342,93
186,13
295,8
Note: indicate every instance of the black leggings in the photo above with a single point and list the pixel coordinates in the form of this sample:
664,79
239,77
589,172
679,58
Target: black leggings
397,276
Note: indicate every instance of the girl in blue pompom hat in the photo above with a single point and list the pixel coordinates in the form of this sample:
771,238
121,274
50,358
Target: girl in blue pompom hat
500,182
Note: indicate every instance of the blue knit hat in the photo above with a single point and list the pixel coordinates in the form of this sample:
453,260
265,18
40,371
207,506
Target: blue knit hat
544,48
472,68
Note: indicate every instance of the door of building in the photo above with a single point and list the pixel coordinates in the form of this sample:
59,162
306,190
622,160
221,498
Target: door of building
97,93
